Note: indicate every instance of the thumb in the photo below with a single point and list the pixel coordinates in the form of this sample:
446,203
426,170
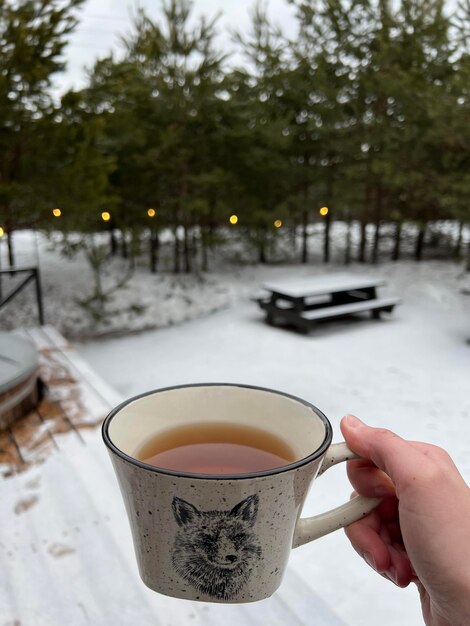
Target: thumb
389,452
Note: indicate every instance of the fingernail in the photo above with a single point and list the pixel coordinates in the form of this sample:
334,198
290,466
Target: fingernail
352,421
369,560
387,576
393,575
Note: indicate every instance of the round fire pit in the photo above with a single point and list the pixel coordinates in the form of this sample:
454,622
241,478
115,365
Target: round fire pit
18,378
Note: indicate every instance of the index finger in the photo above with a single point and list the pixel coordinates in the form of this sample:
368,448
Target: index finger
397,457
368,480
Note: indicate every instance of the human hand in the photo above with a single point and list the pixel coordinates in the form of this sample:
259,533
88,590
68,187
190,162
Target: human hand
420,532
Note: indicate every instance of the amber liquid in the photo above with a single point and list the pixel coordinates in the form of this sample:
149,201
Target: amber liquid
216,448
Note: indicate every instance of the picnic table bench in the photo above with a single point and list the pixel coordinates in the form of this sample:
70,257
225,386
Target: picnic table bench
304,302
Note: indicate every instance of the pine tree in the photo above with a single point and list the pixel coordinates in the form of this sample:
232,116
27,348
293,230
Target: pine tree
33,34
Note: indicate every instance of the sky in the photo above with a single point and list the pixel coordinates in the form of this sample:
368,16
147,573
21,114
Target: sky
103,22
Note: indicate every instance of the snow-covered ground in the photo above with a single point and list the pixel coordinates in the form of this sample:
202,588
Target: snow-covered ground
409,372
144,301
148,301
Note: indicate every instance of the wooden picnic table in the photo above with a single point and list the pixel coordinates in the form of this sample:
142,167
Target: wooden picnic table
304,302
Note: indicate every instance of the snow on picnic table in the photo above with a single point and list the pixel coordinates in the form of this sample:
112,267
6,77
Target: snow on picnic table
408,372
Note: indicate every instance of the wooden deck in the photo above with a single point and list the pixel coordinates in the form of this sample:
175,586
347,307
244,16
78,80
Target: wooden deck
66,555
76,401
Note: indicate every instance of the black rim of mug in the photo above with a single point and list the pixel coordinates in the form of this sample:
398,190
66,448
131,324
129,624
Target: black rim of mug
160,470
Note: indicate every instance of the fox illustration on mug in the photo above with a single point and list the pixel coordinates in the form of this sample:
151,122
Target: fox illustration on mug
215,551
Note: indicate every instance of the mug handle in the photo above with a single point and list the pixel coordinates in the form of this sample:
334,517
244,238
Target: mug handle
311,528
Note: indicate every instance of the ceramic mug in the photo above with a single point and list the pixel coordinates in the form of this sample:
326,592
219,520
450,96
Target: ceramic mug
224,538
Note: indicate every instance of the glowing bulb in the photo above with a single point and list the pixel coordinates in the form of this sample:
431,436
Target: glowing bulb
324,210
2,232
56,212
233,219
151,212
277,223
105,216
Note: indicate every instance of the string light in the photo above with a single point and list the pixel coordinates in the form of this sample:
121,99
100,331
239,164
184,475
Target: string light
151,212
105,216
277,223
56,212
233,219
324,210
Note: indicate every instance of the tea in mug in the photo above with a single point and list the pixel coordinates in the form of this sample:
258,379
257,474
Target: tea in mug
216,448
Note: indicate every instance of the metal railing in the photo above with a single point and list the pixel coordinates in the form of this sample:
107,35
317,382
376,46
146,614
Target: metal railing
32,274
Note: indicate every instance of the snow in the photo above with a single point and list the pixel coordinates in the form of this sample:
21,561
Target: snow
145,301
408,372
148,301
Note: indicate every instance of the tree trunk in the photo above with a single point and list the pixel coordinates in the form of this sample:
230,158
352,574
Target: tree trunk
186,250
113,245
176,252
347,251
262,253
134,251
11,251
397,242
329,195
378,216
205,234
195,239
293,237
154,249
124,246
457,251
208,235
304,258
326,239
211,222
96,262
262,247
375,246
363,242
361,257
467,265
184,214
420,241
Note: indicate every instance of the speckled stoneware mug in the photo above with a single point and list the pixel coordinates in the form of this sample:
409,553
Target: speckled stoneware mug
223,538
